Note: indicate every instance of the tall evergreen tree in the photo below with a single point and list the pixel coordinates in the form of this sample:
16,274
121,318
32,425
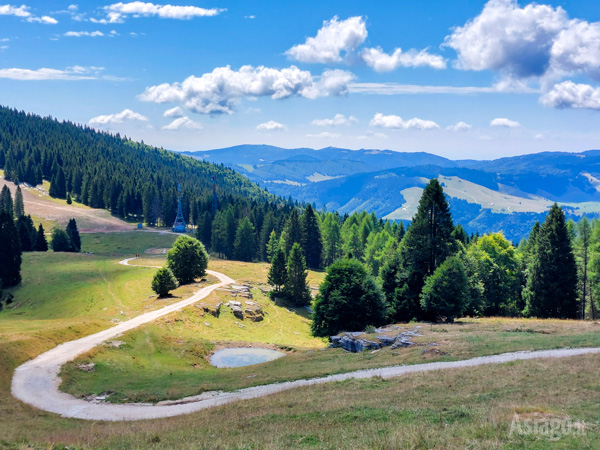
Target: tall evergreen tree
60,241
551,289
27,233
427,243
332,239
278,271
10,251
296,289
583,242
313,246
245,241
6,201
41,244
19,205
272,246
74,237
293,232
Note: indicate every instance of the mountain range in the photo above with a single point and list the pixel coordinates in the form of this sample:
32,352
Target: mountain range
506,194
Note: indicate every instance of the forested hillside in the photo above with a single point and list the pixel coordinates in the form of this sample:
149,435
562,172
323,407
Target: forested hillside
102,170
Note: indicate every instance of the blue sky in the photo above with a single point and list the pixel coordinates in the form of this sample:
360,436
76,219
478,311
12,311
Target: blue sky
462,79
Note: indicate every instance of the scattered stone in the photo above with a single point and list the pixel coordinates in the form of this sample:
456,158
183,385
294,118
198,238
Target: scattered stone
115,344
89,367
207,324
236,309
213,310
354,342
254,312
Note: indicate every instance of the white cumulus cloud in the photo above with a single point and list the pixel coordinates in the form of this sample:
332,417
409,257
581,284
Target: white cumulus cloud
25,12
392,121
174,112
334,37
338,119
84,33
183,122
125,115
382,62
572,95
506,37
271,125
219,91
504,122
118,11
460,126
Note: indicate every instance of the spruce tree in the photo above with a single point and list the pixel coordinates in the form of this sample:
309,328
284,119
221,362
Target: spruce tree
427,243
73,234
551,289
278,271
10,251
273,246
26,233
296,289
313,246
293,232
19,205
41,244
245,241
583,242
6,201
60,241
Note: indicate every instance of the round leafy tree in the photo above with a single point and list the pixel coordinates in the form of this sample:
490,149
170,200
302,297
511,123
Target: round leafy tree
446,292
348,299
187,259
163,282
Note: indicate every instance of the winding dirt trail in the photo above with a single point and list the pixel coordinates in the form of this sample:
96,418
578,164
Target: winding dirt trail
37,382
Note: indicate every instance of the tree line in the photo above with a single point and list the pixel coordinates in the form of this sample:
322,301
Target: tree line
434,271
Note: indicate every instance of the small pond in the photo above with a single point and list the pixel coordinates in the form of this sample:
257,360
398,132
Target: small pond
243,356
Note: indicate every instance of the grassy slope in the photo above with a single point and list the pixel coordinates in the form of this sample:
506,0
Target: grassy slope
453,409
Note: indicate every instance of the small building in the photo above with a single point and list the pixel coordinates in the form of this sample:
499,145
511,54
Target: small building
140,226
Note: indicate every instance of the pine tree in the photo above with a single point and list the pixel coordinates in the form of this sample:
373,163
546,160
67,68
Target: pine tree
41,244
427,243
60,241
332,239
74,237
313,246
293,232
19,206
583,242
273,246
69,199
27,233
6,201
10,251
296,289
245,241
551,289
278,271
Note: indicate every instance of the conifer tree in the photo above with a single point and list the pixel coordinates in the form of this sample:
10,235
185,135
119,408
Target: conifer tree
60,241
245,241
332,239
551,289
427,243
272,246
41,244
296,289
278,271
74,237
10,251
293,232
6,201
313,246
19,205
27,233
583,242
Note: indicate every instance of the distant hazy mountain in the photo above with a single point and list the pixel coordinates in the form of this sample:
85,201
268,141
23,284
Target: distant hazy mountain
507,194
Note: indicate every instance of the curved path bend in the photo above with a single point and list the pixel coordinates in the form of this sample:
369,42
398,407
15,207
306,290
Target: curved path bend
37,382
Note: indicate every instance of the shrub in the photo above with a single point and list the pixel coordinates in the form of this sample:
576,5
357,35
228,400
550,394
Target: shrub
163,282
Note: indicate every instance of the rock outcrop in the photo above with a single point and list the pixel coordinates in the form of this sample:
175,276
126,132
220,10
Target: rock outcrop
358,341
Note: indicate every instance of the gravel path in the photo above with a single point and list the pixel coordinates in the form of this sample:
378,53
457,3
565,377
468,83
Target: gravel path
37,382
